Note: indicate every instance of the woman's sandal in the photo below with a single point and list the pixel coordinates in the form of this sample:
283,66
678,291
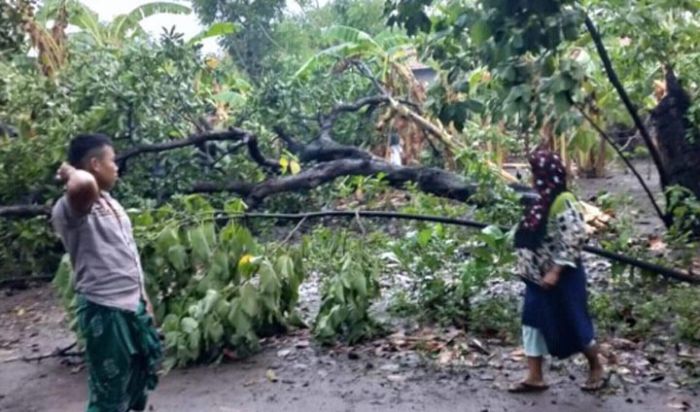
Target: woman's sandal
525,387
596,385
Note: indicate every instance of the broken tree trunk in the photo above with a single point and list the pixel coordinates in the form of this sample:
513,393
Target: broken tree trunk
677,139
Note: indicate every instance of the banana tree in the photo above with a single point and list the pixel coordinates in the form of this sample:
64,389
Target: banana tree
386,58
114,33
389,51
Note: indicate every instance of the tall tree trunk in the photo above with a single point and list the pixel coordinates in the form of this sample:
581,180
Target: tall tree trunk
676,138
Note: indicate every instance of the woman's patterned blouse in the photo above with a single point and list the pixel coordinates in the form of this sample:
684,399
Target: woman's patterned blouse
562,245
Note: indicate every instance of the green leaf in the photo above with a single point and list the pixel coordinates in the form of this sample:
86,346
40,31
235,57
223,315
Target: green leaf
269,282
222,308
424,237
210,300
195,340
125,23
561,103
235,206
200,245
188,325
220,266
493,231
475,106
480,32
232,98
284,266
215,331
166,239
238,319
171,323
177,256
350,34
360,284
249,299
215,30
209,234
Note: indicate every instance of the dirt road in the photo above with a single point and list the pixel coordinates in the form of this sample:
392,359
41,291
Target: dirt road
304,378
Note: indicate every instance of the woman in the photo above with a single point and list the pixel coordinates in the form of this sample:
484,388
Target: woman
548,241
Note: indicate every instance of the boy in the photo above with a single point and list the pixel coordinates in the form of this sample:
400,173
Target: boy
121,345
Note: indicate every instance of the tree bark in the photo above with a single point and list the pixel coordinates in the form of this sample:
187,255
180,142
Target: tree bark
232,134
677,139
429,180
24,211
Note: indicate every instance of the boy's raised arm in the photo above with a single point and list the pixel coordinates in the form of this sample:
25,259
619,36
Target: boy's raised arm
81,188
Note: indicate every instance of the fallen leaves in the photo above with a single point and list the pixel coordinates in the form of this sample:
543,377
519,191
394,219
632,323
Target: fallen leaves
657,245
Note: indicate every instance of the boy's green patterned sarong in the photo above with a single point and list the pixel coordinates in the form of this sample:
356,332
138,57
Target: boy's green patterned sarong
122,351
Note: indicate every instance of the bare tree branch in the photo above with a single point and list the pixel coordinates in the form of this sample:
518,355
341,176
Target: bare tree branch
231,134
235,134
429,180
24,211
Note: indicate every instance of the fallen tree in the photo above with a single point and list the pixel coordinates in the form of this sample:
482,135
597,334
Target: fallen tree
430,180
326,159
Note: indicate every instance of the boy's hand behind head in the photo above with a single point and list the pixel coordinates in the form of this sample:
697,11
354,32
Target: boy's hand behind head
64,172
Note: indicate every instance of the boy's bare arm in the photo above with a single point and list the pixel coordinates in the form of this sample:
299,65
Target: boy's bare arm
81,188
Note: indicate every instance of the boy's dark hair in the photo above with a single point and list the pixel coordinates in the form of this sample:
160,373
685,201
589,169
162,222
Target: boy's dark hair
85,144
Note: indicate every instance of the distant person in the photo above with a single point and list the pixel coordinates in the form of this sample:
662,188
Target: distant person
548,242
115,316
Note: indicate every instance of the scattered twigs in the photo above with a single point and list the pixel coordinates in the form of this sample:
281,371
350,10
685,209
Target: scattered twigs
359,223
64,352
296,228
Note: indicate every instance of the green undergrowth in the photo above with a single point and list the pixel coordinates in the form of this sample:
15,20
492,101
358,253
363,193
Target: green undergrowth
217,290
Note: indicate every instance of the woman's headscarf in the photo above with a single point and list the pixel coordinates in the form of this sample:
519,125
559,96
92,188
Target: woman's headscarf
549,178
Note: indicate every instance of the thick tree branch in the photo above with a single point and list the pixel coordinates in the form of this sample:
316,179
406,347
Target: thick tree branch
24,211
429,180
321,150
176,144
327,121
615,80
231,134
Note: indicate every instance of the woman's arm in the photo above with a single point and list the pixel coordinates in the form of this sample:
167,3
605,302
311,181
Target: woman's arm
569,232
551,278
